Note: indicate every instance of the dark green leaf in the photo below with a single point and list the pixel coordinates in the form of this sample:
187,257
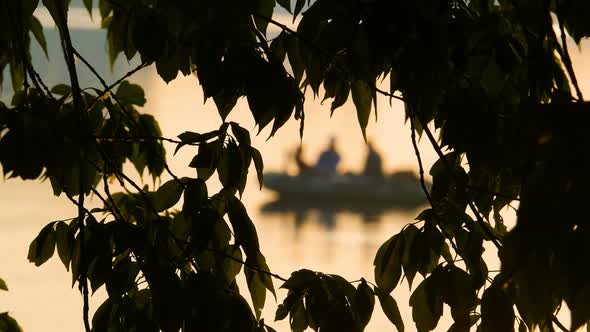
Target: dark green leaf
8,324
293,47
61,89
258,163
241,134
298,7
497,312
285,4
388,263
37,31
300,280
168,195
3,285
168,67
364,302
59,12
231,262
130,94
244,230
580,308
391,310
263,13
65,243
288,303
298,319
195,196
427,306
206,160
257,289
189,137
43,246
362,95
88,4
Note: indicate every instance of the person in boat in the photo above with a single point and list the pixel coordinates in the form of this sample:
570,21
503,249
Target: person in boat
373,164
328,160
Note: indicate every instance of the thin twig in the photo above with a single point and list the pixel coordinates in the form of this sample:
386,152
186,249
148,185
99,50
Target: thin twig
420,165
112,86
143,138
565,55
132,122
559,324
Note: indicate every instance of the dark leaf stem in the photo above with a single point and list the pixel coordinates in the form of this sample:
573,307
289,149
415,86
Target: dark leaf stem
143,138
116,83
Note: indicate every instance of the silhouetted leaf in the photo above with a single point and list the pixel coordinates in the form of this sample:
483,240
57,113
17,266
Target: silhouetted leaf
298,318
298,7
168,195
258,163
195,196
8,324
37,31
244,230
580,308
362,96
3,285
293,47
364,302
264,12
388,264
426,306
61,89
257,289
497,312
206,160
285,4
391,310
130,94
88,5
59,12
65,243
232,266
241,134
43,246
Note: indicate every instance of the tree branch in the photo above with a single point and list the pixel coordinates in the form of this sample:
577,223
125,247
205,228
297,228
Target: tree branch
114,96
472,207
567,60
142,138
77,98
423,183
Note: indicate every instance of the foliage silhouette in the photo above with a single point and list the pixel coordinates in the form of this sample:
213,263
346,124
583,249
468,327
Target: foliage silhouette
492,78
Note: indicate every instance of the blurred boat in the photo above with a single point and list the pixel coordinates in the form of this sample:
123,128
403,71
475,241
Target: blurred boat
347,192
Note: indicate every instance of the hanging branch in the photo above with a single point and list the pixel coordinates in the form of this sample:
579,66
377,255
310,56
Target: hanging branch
567,60
118,101
67,47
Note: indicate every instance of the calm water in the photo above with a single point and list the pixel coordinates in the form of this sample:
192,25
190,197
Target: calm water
41,298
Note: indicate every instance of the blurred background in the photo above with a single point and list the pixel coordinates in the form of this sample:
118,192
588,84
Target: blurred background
331,240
